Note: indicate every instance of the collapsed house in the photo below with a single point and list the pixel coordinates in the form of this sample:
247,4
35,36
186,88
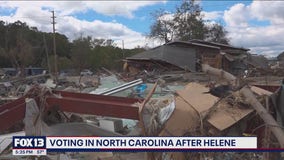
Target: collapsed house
189,55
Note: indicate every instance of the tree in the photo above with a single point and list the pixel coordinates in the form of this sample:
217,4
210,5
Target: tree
162,28
80,52
63,46
217,33
21,55
11,33
188,22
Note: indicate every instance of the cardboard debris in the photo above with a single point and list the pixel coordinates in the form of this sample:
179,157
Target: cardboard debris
194,95
224,117
183,119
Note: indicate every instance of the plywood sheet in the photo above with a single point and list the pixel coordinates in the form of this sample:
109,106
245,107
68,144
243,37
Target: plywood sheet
194,95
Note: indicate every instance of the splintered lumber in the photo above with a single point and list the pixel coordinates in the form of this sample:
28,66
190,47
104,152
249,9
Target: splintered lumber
219,72
263,113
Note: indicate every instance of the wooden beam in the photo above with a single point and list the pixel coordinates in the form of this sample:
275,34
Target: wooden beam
264,114
219,72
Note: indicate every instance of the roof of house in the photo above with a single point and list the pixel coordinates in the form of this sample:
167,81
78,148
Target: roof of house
192,44
218,45
182,53
179,56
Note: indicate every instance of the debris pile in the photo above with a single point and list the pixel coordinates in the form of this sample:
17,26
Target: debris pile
107,105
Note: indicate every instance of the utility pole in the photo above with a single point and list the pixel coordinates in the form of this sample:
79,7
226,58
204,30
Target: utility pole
123,49
54,47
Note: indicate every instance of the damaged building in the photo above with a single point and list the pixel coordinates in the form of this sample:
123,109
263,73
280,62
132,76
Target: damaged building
189,55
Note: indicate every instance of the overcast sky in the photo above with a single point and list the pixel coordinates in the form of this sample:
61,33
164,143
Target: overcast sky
257,25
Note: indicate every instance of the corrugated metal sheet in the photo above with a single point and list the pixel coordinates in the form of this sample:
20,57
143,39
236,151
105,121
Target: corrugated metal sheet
179,56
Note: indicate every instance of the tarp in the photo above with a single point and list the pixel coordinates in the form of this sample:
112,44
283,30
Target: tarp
182,57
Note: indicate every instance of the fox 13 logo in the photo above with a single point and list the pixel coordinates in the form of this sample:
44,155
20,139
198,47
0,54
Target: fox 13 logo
29,142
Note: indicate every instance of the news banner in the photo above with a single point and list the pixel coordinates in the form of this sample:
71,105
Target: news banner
29,145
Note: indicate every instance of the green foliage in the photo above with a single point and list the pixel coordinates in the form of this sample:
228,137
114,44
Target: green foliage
21,54
4,61
19,34
186,23
80,53
22,46
63,46
110,57
217,33
162,28
107,56
63,63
